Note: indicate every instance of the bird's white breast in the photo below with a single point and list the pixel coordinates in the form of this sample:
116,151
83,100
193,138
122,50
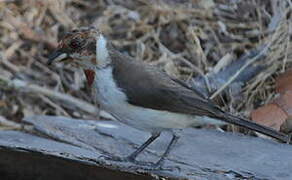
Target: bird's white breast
108,94
114,100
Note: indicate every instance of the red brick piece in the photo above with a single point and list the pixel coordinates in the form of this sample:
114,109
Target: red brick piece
284,82
269,115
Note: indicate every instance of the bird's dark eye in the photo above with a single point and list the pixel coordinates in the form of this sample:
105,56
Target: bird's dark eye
74,44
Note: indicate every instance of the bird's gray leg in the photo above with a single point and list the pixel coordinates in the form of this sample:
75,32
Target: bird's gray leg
159,163
156,165
133,156
167,151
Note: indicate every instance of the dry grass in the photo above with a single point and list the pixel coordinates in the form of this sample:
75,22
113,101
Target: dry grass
185,38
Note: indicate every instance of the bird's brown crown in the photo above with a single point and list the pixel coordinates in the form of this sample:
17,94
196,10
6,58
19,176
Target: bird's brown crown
85,48
79,47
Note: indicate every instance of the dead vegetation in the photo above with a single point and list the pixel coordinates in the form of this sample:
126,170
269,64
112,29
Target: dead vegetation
185,38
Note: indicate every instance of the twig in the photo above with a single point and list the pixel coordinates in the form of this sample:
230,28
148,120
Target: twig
8,64
287,48
173,55
14,125
32,88
54,105
231,79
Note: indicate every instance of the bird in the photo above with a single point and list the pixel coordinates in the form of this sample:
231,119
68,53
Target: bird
141,95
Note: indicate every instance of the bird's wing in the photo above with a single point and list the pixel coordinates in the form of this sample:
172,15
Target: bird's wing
149,87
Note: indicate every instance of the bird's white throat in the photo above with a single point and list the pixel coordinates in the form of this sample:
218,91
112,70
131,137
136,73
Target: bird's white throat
102,54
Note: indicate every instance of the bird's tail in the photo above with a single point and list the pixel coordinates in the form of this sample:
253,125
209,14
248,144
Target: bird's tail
256,127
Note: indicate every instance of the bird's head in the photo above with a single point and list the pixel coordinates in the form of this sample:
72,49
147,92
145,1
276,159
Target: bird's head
85,48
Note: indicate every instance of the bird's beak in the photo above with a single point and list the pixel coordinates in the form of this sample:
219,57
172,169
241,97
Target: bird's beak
57,56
